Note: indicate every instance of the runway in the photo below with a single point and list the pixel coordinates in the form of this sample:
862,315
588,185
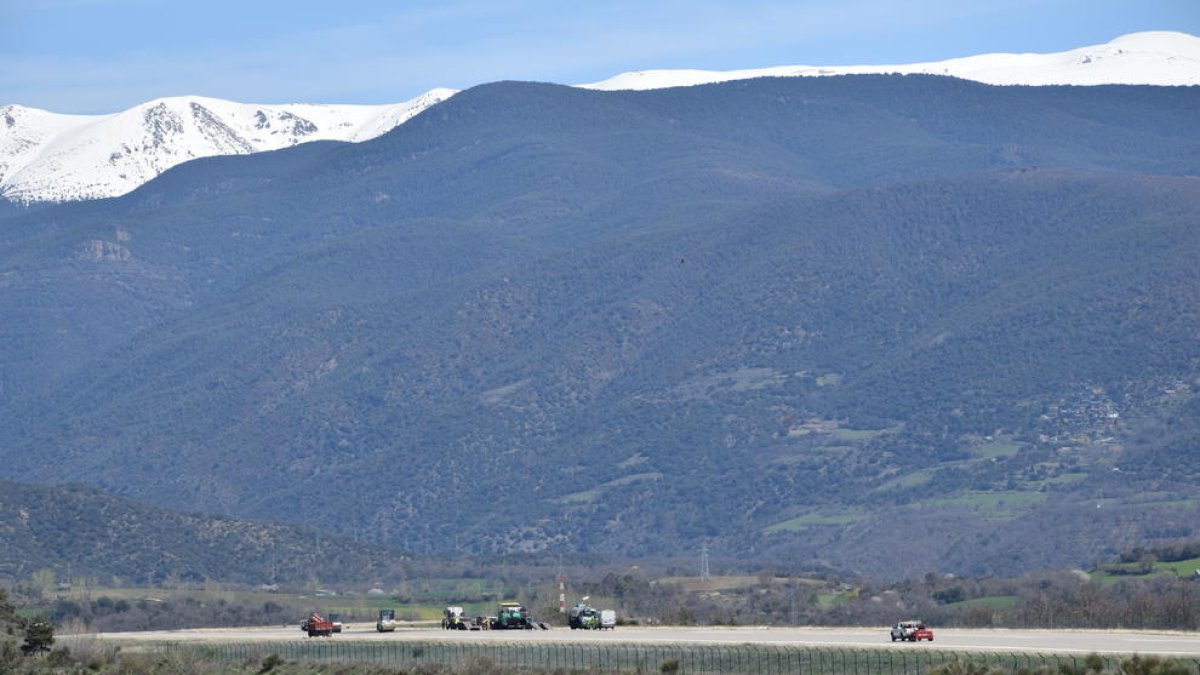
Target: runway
1178,644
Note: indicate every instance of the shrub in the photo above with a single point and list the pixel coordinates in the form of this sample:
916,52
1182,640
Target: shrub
269,663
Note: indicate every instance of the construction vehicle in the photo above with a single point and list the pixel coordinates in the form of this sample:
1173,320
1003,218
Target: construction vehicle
589,618
317,626
452,619
583,616
387,621
511,615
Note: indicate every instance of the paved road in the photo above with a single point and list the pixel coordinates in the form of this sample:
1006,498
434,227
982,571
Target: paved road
1125,642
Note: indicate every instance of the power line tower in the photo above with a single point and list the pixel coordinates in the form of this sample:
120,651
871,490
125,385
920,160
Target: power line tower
704,571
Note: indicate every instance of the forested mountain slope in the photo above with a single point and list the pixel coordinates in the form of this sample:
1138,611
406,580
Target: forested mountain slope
847,321
79,531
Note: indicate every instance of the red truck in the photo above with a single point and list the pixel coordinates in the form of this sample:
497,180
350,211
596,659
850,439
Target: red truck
317,626
911,631
922,632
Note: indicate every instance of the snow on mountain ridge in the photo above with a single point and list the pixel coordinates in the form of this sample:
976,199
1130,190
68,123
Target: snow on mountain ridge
47,156
1162,58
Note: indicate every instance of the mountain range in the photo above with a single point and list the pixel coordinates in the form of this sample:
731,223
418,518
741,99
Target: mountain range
49,157
1161,58
887,324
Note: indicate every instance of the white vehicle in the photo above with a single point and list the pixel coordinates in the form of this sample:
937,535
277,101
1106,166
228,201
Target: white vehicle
452,619
911,631
904,630
387,621
608,618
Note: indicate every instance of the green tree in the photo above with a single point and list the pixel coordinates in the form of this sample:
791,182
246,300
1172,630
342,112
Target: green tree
9,621
39,635
43,581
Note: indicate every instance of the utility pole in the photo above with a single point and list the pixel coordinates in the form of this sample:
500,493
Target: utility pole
562,587
704,571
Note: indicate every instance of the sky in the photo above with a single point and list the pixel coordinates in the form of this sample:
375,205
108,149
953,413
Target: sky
102,56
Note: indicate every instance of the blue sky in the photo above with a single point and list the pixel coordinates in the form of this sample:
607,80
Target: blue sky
97,56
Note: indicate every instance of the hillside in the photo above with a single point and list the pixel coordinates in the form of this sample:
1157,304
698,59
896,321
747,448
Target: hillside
887,324
77,531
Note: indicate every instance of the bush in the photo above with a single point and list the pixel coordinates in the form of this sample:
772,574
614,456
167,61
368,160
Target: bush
269,663
1152,665
965,668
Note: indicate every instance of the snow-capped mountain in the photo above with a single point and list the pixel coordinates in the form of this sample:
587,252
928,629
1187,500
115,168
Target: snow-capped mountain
1156,58
46,156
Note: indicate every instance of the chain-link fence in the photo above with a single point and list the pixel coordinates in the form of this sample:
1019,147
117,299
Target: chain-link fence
644,657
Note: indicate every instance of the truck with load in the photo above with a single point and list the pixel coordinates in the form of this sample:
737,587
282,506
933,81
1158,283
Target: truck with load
583,616
587,617
317,626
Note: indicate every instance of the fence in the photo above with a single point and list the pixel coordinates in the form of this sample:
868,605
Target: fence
643,658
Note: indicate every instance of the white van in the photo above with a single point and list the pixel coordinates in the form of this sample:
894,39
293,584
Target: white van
608,618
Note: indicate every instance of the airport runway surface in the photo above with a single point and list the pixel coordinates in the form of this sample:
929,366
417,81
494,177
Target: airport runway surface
1057,641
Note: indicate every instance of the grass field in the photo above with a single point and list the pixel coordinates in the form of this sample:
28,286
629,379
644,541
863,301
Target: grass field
998,505
428,597
908,480
810,519
1181,568
730,583
995,450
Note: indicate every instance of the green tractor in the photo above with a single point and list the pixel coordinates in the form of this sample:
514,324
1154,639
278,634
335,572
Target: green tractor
512,615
